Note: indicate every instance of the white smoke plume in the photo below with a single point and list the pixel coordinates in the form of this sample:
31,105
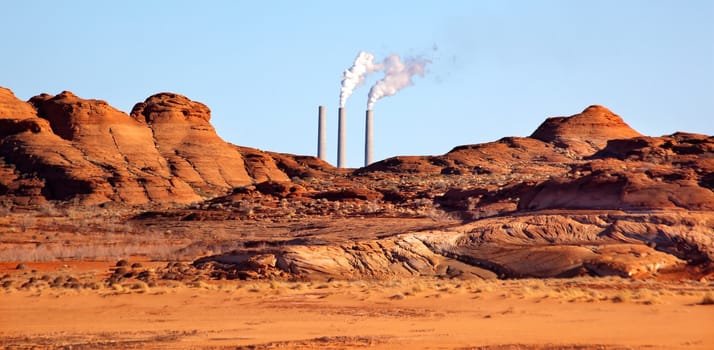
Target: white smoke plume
397,75
355,75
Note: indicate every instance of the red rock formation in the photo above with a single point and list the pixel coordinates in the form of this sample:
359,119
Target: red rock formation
188,142
12,108
638,173
583,194
584,133
485,158
62,147
118,145
43,165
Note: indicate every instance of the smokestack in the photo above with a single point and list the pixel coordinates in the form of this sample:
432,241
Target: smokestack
368,138
321,133
342,139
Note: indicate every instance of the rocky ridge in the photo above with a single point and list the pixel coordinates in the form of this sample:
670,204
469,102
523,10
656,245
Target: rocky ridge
584,194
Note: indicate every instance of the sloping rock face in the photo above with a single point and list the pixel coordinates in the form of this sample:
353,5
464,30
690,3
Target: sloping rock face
115,145
38,164
185,138
64,147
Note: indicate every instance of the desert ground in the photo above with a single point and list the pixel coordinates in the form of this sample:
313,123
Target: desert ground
77,301
581,313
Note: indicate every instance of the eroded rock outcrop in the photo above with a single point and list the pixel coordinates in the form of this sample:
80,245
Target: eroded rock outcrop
64,147
119,146
551,245
190,145
40,165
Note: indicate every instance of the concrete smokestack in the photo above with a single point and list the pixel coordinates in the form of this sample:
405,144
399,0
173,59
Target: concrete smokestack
321,133
368,138
342,139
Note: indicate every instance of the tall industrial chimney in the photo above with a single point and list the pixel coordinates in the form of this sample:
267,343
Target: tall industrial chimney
321,133
342,139
368,138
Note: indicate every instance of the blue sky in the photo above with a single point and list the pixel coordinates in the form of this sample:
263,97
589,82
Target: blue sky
499,68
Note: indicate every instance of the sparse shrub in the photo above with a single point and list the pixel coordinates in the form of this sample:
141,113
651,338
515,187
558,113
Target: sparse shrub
621,297
199,284
144,276
170,276
298,286
136,265
122,262
7,284
92,285
21,267
647,297
707,299
57,282
141,287
254,289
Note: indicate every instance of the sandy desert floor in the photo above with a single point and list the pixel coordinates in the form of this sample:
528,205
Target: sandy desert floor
584,313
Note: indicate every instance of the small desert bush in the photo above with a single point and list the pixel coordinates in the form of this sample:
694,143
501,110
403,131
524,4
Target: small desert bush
621,297
298,286
397,297
647,297
199,284
707,299
255,289
140,287
418,288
